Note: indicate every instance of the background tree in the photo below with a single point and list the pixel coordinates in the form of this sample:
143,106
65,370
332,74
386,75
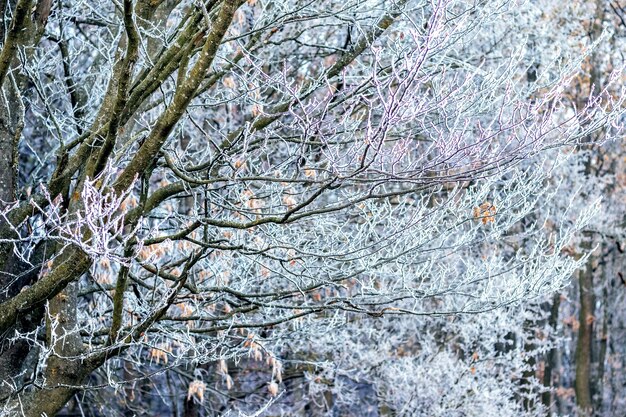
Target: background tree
591,322
222,206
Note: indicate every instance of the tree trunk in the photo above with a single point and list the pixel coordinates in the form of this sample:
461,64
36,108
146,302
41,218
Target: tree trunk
13,272
602,350
551,359
585,337
12,354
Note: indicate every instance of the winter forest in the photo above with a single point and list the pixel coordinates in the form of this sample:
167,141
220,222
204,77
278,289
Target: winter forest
359,208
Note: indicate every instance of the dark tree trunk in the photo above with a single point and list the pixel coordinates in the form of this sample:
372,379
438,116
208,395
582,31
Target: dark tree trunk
584,342
552,356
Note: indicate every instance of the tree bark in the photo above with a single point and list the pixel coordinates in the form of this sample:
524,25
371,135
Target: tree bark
584,342
551,359
26,28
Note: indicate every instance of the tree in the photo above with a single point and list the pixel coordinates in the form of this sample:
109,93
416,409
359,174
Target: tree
586,372
193,183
